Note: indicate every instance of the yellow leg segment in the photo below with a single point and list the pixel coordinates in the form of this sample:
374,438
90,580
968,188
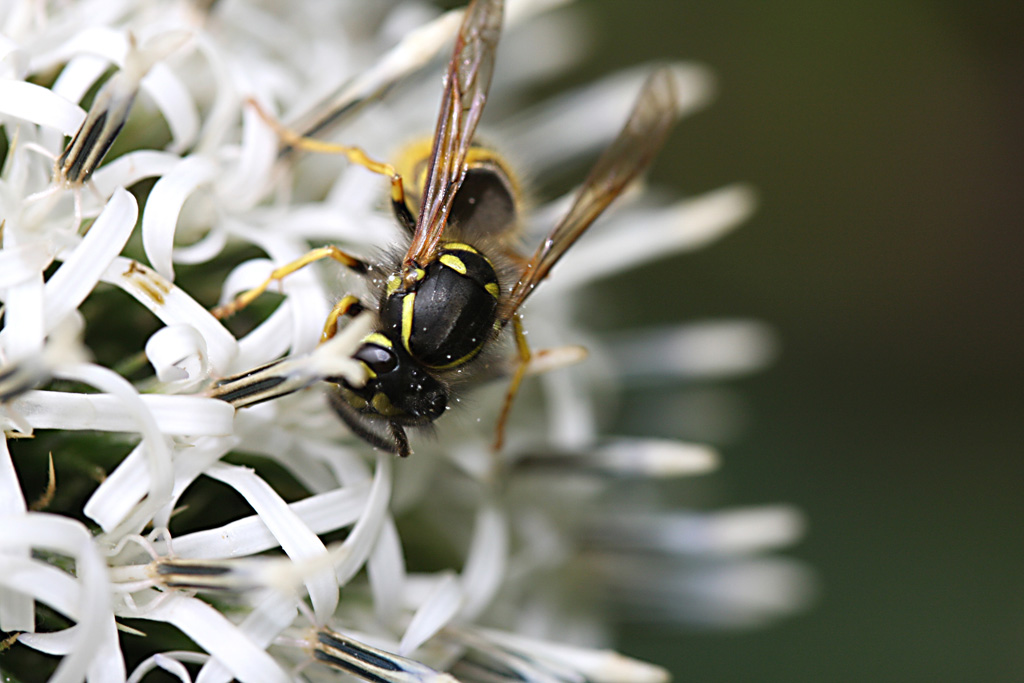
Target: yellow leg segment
353,154
348,305
246,298
524,360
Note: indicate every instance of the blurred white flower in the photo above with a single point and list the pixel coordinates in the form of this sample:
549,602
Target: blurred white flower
453,560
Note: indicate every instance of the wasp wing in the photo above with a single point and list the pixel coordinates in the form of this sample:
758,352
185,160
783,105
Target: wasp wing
654,113
465,92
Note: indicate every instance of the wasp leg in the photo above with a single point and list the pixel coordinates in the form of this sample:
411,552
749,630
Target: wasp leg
330,251
402,447
354,154
347,306
524,361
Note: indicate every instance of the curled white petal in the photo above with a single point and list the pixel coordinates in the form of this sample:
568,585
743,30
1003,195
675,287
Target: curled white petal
178,353
80,272
171,662
164,206
39,105
176,103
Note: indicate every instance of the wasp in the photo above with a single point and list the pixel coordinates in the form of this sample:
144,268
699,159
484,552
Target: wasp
461,281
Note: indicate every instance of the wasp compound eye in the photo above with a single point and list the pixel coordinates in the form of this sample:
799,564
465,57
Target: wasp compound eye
378,359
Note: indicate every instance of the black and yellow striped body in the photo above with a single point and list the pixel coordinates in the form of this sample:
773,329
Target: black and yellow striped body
447,319
434,326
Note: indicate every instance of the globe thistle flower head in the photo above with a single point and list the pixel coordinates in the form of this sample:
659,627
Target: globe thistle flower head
222,498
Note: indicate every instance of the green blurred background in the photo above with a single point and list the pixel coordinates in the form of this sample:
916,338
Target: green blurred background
885,141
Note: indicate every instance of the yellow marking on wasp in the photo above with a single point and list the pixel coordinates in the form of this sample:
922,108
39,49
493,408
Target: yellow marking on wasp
461,361
354,399
378,339
493,289
382,404
407,304
394,282
453,262
460,246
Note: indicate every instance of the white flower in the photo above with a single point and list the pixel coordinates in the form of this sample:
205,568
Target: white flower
507,555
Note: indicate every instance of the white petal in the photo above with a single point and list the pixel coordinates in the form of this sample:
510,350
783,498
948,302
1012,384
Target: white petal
552,134
172,305
13,60
22,336
35,578
486,563
731,532
176,104
160,219
250,177
734,594
17,611
91,608
95,39
652,234
599,666
178,352
80,75
218,636
385,570
416,48
356,548
204,250
268,618
128,169
169,663
629,457
80,272
703,349
657,457
433,615
121,491
21,262
269,340
294,537
158,454
174,415
321,513
39,105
